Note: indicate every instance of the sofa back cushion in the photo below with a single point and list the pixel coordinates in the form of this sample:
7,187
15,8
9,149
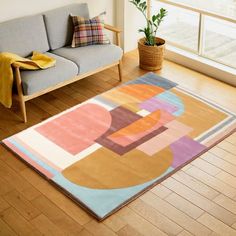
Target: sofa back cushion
24,35
59,24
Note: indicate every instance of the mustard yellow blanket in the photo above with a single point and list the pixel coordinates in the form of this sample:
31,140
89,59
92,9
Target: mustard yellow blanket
37,61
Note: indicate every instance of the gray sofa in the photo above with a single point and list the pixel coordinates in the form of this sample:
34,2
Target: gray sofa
51,33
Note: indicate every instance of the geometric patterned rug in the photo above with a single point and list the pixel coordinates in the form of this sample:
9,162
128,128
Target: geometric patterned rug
107,151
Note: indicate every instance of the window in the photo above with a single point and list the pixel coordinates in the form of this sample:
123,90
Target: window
180,27
219,41
206,28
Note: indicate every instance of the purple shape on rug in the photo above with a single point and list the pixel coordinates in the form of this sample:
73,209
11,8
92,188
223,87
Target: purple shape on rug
184,150
155,103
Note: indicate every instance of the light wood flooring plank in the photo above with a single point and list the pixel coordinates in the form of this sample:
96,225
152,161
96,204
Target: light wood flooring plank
11,177
161,191
5,187
174,214
5,230
205,166
222,164
223,154
11,160
140,224
200,201
228,146
17,222
12,180
30,193
3,204
156,218
185,233
58,198
184,205
195,185
45,226
68,100
98,229
115,223
234,226
226,202
73,93
84,232
232,139
216,225
21,204
57,216
227,178
128,231
211,181
39,102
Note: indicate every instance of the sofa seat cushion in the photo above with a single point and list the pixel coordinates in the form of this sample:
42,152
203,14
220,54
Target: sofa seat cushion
35,81
91,57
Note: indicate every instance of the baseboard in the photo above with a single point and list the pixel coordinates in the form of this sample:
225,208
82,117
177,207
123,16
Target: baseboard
203,65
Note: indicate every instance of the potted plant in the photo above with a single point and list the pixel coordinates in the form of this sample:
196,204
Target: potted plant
151,48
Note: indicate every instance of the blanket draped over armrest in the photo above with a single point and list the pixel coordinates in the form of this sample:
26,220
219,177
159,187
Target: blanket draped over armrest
37,61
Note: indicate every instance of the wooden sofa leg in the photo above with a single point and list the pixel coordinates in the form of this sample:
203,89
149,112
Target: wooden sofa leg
20,94
23,109
120,70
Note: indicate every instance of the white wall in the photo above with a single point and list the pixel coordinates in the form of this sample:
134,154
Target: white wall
129,19
10,9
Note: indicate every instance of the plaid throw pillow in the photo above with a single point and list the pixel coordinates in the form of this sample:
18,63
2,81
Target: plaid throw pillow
88,31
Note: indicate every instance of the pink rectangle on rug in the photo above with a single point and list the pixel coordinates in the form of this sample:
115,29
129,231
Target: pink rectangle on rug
175,131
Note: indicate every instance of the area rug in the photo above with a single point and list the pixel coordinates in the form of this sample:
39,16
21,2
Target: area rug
105,152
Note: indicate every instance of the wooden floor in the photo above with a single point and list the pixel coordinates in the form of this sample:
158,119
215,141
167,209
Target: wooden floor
200,199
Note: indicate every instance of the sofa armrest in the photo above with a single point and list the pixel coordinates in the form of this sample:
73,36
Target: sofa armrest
116,31
20,97
14,65
112,28
17,75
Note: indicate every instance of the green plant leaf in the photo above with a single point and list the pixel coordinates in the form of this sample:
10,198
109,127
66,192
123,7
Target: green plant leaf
141,31
142,5
152,24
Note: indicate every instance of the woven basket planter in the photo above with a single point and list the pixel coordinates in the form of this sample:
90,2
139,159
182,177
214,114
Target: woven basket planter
151,57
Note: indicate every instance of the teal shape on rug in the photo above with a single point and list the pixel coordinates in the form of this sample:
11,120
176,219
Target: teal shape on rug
102,202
